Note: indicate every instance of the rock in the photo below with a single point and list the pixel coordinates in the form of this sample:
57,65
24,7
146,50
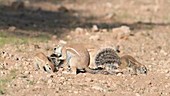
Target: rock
124,29
79,30
137,94
68,37
25,67
95,37
167,85
57,89
62,78
76,92
18,4
119,74
89,80
152,58
31,76
97,87
63,9
163,52
27,72
54,37
36,46
95,28
149,82
167,75
87,34
27,2
12,28
3,73
27,86
167,71
134,81
109,5
5,55
51,75
9,85
122,32
104,30
110,15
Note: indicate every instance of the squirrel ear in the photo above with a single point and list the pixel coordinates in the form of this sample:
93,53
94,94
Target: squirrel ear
60,43
117,48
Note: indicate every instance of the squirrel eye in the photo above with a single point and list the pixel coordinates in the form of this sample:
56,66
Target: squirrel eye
55,48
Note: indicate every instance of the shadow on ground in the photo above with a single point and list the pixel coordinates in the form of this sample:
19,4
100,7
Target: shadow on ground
57,22
31,19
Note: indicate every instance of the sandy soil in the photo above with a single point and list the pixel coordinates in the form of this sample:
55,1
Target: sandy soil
141,28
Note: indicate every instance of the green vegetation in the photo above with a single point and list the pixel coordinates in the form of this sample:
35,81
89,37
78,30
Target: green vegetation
7,38
7,79
31,82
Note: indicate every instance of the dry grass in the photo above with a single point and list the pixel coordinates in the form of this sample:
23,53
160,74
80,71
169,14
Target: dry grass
8,38
4,80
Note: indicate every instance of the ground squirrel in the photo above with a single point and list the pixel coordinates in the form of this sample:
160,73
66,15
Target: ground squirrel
76,58
128,61
113,64
42,62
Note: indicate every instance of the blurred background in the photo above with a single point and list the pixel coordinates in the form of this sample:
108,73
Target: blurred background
46,18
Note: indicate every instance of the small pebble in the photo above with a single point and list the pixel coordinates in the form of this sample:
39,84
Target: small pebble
49,81
95,37
95,28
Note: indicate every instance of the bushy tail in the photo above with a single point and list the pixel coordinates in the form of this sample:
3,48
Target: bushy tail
106,56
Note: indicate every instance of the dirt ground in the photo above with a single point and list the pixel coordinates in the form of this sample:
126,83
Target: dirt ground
140,27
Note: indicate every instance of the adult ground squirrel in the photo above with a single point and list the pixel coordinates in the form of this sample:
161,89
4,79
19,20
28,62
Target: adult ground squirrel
76,58
42,62
128,61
